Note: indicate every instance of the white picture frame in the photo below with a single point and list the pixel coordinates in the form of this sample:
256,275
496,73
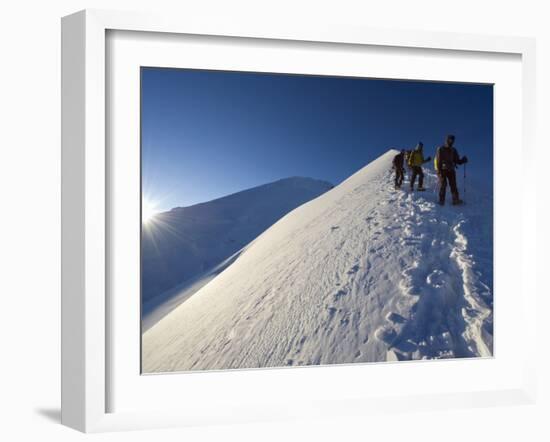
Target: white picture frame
86,204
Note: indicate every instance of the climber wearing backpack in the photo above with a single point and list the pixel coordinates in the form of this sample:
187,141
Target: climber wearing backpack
398,162
445,162
416,160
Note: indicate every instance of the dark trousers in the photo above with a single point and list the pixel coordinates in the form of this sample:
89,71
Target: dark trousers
399,175
447,175
417,170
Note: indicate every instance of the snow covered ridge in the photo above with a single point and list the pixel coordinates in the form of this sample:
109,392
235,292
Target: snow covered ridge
180,244
363,273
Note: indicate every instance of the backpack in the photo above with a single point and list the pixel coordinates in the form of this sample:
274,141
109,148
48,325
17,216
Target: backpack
416,158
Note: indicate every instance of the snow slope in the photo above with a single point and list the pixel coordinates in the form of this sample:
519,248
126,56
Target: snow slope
184,242
362,273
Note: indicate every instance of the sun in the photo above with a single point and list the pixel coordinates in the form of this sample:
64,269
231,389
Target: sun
148,210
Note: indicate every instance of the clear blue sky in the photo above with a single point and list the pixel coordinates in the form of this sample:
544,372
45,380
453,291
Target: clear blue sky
206,134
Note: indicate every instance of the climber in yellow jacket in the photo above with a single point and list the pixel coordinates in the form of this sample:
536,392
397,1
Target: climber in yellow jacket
415,161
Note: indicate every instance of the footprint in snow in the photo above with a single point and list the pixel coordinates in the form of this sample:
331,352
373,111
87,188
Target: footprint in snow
386,334
345,321
331,312
339,294
389,228
436,279
395,318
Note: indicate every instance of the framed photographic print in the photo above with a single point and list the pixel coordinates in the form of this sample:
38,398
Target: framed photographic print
247,261
291,222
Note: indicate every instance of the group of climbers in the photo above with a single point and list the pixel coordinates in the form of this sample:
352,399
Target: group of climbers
445,163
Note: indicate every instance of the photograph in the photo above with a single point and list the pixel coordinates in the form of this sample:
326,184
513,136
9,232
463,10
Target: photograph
310,220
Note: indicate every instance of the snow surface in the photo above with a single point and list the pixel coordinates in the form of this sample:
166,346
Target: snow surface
185,242
363,273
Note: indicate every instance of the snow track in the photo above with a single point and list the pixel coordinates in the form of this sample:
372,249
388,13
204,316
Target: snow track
363,273
442,312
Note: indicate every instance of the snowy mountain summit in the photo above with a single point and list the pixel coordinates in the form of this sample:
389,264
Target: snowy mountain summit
362,273
179,244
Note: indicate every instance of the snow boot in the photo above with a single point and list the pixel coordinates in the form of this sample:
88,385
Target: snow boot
457,202
441,202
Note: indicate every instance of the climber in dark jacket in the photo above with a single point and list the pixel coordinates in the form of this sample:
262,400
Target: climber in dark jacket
445,162
398,162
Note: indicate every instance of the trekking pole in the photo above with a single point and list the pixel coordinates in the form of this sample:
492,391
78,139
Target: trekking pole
464,181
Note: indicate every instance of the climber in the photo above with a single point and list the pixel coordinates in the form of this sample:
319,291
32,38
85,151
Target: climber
445,162
398,162
416,160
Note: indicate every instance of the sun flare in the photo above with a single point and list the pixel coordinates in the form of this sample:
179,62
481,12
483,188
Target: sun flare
148,210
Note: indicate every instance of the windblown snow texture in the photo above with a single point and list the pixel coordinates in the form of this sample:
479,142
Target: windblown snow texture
363,273
186,241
